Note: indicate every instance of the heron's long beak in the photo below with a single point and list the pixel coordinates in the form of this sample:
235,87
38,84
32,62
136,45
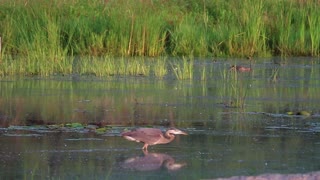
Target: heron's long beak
183,133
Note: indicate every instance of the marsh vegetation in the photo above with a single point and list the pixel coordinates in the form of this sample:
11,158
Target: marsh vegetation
48,37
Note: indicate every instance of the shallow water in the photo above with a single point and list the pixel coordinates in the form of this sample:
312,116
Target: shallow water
276,131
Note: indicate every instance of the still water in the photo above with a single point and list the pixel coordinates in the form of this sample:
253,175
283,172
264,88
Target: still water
239,124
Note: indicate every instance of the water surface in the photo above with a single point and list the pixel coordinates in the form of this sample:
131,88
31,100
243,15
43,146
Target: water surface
276,130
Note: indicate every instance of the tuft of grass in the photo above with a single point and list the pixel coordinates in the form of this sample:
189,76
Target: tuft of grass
237,88
108,66
137,67
314,29
187,38
183,70
160,67
275,74
136,28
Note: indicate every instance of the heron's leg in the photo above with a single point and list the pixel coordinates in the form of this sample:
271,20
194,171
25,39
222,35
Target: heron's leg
145,147
145,152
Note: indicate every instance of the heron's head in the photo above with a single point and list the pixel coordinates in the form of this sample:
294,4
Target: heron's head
176,131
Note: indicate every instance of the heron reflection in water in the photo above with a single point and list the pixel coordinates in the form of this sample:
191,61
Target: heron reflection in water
152,136
151,162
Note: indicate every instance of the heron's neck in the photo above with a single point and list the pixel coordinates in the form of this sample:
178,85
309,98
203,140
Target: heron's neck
169,137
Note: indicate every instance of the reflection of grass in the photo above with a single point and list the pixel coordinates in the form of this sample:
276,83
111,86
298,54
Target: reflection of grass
238,88
203,73
112,99
275,73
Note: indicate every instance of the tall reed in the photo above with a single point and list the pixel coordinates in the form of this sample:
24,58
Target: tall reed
314,29
136,28
187,38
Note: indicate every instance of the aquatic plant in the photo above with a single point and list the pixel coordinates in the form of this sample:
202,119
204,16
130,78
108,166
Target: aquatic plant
183,70
203,73
238,88
137,67
107,66
160,67
275,74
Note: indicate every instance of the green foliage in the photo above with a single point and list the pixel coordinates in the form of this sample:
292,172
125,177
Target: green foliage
107,66
74,125
48,34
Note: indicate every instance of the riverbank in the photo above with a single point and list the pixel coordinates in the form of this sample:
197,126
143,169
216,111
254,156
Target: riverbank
47,33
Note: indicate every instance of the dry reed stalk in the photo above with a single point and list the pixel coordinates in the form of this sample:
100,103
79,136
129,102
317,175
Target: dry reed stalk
131,36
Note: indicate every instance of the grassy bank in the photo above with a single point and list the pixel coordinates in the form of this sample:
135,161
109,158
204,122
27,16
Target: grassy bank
48,34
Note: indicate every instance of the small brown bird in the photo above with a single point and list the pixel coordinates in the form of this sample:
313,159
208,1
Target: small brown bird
240,68
152,136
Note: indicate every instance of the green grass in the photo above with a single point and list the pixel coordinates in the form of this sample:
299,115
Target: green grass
183,69
49,34
113,67
160,67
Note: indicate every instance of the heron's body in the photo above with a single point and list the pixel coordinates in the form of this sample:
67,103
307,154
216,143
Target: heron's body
151,136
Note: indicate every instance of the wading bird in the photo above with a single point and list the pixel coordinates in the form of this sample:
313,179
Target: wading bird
240,68
151,136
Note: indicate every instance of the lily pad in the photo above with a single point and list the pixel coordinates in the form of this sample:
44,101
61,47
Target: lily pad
303,113
299,113
101,130
74,125
290,113
55,126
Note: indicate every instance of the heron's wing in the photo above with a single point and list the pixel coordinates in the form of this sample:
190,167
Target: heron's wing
149,135
146,135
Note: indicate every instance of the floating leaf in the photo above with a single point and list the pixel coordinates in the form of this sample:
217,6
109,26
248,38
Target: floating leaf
290,113
74,125
303,113
92,127
101,130
55,126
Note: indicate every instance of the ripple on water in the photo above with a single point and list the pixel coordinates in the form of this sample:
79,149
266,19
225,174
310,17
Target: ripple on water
84,139
23,135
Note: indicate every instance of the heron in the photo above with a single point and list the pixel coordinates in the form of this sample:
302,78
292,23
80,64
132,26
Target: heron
152,136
